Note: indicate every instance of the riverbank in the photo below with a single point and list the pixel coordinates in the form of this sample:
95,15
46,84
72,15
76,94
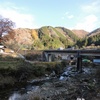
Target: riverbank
19,70
70,85
48,80
16,72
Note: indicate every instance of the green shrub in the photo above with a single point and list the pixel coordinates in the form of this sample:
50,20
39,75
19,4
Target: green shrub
39,71
31,56
18,70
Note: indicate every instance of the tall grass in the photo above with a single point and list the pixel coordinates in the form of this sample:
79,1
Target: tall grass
14,70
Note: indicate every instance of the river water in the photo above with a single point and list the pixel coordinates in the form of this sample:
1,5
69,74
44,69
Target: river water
13,93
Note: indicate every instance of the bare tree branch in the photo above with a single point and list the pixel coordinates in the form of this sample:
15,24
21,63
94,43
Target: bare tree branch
6,26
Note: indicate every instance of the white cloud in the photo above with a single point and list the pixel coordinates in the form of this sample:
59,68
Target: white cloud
16,14
91,12
88,23
92,7
68,15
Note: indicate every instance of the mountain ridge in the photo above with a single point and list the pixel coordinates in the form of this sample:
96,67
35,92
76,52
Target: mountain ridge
46,37
80,33
94,32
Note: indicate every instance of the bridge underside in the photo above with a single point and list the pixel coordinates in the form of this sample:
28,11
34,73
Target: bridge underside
78,54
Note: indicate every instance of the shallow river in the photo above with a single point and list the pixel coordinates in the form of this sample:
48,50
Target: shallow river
12,93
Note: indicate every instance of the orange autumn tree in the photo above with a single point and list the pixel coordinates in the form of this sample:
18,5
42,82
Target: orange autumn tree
34,34
6,26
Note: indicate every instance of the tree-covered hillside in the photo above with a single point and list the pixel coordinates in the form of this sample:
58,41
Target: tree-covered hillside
91,39
46,37
49,37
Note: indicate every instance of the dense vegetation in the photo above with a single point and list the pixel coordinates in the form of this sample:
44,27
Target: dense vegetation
70,34
91,40
50,38
46,37
15,70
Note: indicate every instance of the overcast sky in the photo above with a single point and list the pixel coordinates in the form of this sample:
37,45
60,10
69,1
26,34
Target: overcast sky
72,14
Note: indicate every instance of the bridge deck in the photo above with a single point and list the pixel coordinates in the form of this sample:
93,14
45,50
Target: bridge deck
78,53
81,52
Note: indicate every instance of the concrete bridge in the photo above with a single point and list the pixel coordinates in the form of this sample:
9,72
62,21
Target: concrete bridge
47,55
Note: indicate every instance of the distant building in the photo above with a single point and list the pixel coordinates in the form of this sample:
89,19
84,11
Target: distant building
4,49
1,46
61,48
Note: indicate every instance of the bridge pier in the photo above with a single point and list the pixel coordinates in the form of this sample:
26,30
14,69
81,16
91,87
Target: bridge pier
79,62
49,57
44,56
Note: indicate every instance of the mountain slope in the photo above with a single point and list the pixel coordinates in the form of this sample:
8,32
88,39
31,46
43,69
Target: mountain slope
80,33
50,37
94,32
93,38
69,34
46,37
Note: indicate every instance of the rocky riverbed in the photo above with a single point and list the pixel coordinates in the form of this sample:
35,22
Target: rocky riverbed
70,85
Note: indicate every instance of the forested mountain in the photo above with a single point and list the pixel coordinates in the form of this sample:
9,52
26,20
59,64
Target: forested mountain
49,37
94,32
93,38
46,37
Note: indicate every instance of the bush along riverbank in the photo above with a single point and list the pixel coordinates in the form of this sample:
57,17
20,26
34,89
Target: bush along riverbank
17,70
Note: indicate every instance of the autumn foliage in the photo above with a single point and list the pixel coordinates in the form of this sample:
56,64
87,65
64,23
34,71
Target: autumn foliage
6,26
34,34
